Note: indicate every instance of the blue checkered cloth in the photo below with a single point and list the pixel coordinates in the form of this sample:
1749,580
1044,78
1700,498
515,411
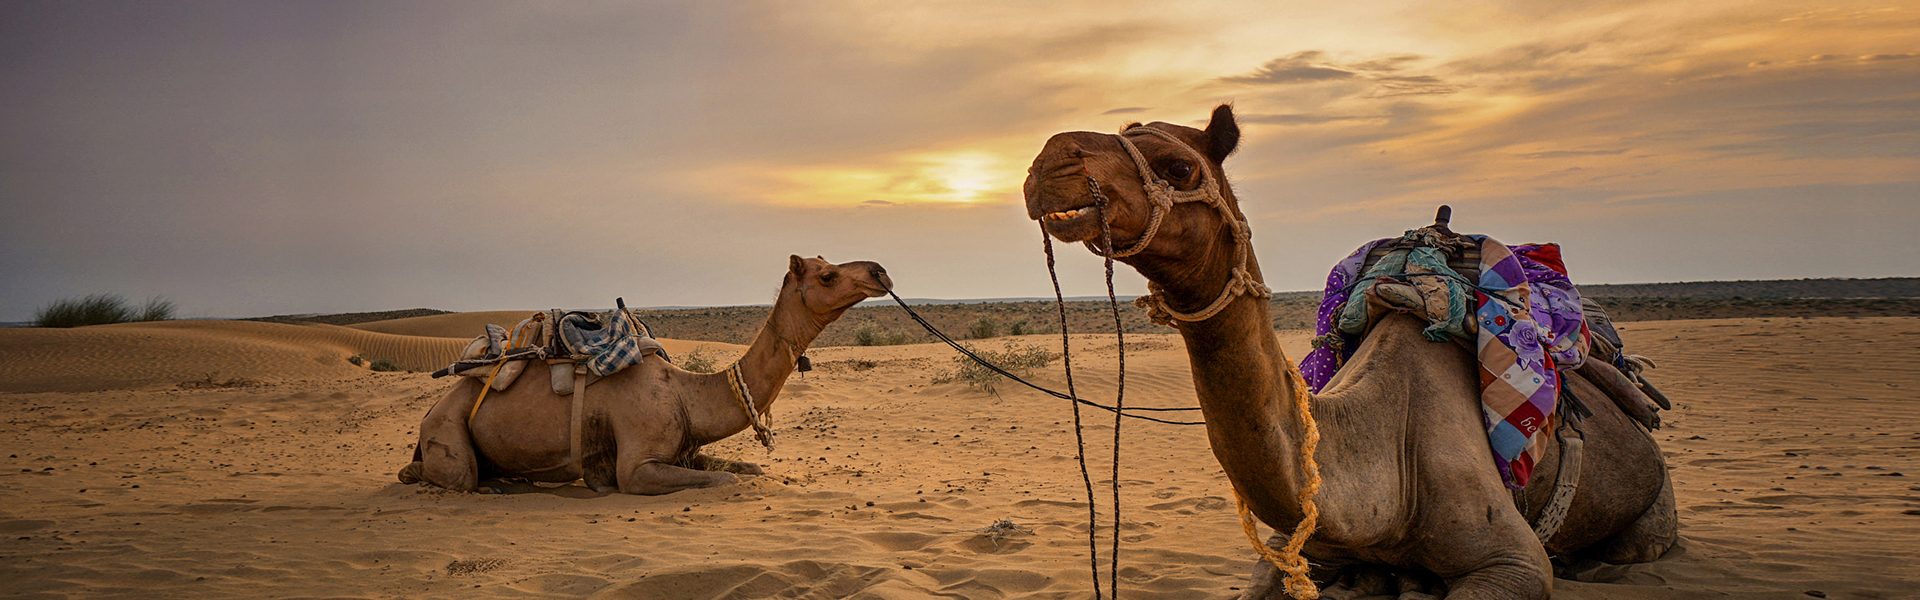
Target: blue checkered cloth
608,339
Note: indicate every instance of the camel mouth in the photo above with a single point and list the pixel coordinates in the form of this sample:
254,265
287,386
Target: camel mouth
1073,224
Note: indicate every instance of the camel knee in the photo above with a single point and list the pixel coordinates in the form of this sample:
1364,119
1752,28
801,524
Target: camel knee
447,467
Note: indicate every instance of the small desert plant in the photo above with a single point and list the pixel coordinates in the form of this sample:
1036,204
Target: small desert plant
866,335
100,309
97,309
158,308
357,361
384,365
1018,328
698,361
983,329
1017,359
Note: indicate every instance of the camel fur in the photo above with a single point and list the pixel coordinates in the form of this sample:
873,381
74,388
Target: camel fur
1411,500
646,423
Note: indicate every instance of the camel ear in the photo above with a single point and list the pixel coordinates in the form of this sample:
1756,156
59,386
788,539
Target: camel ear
796,265
1223,134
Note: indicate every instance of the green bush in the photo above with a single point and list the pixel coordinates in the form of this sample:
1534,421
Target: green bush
866,335
384,365
1018,359
983,329
100,309
1018,328
356,360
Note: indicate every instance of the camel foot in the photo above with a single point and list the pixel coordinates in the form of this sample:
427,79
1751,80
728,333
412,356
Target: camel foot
712,463
653,479
410,474
1420,586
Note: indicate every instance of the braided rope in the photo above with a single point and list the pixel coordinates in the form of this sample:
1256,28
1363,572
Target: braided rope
1079,437
762,422
1289,560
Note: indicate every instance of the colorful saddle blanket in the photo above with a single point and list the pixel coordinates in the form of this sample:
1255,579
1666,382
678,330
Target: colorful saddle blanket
1526,324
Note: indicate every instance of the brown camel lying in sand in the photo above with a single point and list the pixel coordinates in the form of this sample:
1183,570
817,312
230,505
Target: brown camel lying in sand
651,419
1410,494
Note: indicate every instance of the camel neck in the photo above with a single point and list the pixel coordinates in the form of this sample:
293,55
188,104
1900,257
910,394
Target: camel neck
763,369
1241,377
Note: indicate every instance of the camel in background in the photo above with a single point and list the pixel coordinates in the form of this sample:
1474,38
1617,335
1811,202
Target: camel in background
648,421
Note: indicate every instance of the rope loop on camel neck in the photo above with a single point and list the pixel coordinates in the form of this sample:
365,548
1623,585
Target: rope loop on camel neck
762,422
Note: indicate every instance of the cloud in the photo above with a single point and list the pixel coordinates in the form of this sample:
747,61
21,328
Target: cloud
1304,119
1571,153
1379,76
1299,67
1125,110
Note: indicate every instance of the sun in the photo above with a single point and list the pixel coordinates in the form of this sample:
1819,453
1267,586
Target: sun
966,176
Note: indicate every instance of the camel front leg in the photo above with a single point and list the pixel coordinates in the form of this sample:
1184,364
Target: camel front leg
652,478
714,463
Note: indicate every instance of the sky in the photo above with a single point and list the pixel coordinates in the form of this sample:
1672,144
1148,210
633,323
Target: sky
255,158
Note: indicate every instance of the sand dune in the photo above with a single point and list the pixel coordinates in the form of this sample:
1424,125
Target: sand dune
168,353
1792,451
464,325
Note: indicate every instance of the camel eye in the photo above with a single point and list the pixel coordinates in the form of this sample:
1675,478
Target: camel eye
1180,170
828,278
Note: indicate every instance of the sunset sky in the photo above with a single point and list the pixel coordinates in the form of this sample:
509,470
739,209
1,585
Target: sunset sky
253,158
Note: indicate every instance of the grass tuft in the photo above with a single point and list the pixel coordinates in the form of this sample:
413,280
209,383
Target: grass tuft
869,336
698,361
1019,359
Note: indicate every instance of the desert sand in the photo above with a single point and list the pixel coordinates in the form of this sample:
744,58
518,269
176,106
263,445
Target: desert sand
243,459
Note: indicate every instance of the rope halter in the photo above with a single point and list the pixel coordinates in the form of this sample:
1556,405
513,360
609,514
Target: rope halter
1161,196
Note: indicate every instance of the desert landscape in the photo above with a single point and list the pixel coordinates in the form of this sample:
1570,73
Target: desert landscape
256,459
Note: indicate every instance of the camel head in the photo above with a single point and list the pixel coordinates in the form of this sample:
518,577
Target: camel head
1058,193
827,289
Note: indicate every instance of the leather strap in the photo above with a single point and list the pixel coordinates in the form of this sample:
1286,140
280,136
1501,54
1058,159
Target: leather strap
579,415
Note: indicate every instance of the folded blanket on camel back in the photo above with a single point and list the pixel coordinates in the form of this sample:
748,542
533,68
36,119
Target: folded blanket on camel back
603,342
1526,325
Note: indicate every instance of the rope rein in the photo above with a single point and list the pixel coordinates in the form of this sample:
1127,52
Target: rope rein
1128,412
1120,376
1079,438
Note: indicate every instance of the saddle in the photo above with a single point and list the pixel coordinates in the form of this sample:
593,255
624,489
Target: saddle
578,348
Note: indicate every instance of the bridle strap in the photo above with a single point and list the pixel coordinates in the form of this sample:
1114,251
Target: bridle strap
1161,196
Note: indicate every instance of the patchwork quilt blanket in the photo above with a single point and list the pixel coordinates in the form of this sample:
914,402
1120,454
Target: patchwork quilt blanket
1525,325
